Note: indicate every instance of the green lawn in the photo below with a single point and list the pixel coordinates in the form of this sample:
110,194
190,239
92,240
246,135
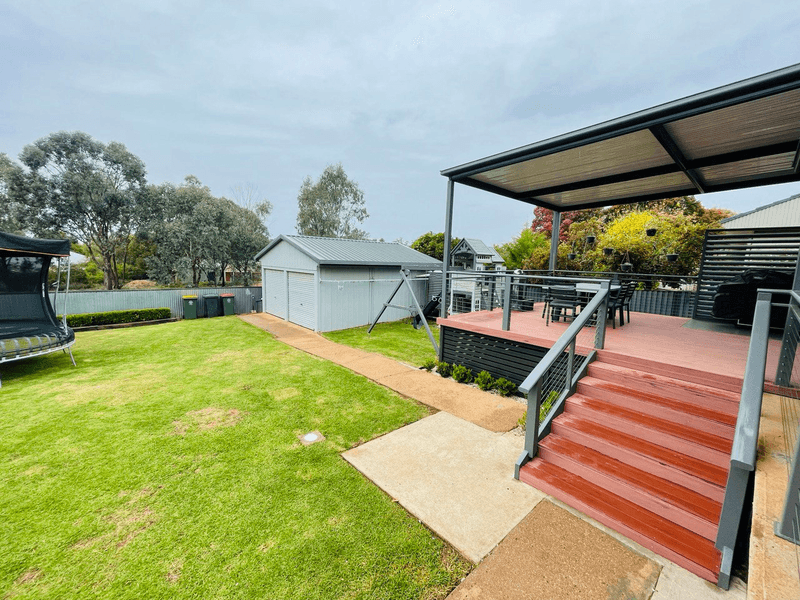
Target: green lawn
397,340
167,465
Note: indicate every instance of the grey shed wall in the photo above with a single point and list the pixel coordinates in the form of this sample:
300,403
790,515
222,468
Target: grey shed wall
352,296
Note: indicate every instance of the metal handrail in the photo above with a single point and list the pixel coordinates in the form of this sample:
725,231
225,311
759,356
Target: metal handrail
532,386
745,439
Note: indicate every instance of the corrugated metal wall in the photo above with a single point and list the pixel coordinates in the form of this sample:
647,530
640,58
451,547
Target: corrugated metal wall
355,301
80,302
728,252
782,214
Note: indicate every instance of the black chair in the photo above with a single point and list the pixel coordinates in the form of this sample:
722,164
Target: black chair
563,298
626,297
548,297
614,304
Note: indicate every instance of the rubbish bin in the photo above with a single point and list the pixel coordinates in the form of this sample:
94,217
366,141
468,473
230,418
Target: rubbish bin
212,306
189,307
228,304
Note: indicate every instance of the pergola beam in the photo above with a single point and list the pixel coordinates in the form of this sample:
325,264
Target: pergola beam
666,141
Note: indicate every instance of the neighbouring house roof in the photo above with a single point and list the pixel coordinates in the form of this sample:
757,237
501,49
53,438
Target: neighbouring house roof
480,249
783,213
339,251
737,136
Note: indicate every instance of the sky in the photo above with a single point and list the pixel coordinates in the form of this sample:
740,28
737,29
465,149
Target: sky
267,93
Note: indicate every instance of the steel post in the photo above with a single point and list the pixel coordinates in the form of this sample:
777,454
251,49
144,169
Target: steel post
554,235
507,303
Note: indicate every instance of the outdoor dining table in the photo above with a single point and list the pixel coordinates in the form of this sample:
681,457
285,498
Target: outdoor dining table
585,289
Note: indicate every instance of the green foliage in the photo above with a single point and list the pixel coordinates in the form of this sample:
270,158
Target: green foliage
331,206
114,317
444,369
398,340
522,247
523,420
77,186
484,380
462,374
504,387
432,244
10,210
544,408
429,364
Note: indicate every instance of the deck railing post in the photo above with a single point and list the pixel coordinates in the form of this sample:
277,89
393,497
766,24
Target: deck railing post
787,527
602,316
507,303
570,366
531,427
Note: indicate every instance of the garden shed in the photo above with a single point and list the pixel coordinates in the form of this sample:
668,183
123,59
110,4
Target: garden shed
327,284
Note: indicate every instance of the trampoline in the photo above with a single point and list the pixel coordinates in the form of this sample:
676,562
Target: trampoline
28,324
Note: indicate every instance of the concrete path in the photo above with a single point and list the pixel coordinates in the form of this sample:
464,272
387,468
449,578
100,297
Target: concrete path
489,411
452,475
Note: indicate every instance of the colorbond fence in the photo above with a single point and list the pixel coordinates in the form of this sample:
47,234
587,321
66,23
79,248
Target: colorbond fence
80,302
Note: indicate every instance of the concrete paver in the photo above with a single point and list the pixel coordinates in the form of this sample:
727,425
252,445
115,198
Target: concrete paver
552,555
452,475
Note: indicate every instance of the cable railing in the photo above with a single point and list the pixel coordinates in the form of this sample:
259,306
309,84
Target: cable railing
554,379
745,442
787,378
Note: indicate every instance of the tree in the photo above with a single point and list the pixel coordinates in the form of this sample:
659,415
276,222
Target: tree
331,206
522,247
79,187
248,235
432,244
9,210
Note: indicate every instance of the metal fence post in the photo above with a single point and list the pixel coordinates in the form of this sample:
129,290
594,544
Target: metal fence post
789,525
507,303
602,316
570,366
531,428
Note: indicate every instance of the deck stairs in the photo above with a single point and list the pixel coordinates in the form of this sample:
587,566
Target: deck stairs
644,448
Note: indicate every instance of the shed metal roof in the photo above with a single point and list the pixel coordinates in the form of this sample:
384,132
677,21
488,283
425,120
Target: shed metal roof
339,251
741,135
761,208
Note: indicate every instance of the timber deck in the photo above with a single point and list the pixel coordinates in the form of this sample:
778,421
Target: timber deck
643,446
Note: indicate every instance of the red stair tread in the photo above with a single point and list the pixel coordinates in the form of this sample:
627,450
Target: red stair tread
688,464
724,382
683,547
679,496
715,409
617,373
684,432
701,418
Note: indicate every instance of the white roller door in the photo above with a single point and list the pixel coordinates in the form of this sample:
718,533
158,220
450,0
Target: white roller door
302,299
275,292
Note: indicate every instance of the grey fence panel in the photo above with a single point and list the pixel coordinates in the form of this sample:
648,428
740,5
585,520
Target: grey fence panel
728,252
80,302
674,303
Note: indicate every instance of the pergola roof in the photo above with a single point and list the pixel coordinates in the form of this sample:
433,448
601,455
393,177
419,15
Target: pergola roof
741,135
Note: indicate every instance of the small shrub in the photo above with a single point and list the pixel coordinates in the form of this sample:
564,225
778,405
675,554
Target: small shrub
504,387
544,408
429,364
113,317
484,380
522,421
445,369
462,374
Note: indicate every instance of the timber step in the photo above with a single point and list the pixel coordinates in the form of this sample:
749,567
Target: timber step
683,547
645,450
685,374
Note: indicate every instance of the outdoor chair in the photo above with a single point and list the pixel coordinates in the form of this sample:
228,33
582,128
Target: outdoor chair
615,304
564,298
548,297
625,296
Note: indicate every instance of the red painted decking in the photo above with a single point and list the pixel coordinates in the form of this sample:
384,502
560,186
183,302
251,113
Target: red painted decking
643,446
651,337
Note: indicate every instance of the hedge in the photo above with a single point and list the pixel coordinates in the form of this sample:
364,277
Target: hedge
113,317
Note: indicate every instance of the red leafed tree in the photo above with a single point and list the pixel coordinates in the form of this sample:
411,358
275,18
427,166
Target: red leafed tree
543,221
